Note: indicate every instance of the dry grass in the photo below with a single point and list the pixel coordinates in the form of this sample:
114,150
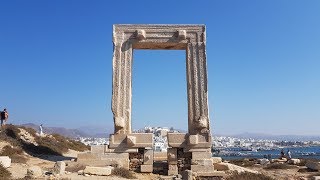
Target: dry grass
49,145
4,173
248,176
279,166
122,172
15,153
244,162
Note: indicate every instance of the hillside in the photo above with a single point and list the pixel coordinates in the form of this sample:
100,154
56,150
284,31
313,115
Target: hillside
26,148
71,133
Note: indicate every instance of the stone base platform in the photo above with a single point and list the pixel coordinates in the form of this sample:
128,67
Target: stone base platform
106,159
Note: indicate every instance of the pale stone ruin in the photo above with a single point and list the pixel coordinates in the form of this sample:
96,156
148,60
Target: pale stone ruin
187,151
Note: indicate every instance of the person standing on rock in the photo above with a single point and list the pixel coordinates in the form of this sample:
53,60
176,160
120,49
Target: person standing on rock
4,117
288,154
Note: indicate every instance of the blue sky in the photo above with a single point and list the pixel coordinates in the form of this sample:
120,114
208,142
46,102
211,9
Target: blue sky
263,64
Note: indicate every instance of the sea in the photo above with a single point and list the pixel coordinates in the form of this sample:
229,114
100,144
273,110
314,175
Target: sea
312,152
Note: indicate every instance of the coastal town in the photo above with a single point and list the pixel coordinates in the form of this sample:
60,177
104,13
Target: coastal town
218,142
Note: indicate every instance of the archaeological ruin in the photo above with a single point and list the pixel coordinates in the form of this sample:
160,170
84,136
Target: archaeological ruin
187,151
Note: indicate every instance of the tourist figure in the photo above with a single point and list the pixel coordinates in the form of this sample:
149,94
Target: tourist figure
269,157
4,117
288,154
41,130
282,154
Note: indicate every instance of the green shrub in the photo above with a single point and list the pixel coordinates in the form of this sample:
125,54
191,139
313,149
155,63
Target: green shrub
248,176
122,172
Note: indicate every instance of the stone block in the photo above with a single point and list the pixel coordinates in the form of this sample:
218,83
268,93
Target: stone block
313,165
172,156
264,161
146,168
201,155
172,170
34,171
177,139
231,167
216,160
107,159
100,171
294,161
59,167
316,178
135,140
202,162
193,140
99,149
282,160
5,161
212,174
160,156
80,172
201,168
148,156
131,140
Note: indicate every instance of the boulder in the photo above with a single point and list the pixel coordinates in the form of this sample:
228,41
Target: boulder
316,178
264,161
100,171
5,161
231,167
313,165
216,160
282,160
59,168
294,161
34,171
80,172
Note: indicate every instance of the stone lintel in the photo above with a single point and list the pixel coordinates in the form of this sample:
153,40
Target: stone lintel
141,140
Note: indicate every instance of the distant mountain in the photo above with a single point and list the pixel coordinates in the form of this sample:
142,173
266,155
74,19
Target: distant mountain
97,131
277,137
72,133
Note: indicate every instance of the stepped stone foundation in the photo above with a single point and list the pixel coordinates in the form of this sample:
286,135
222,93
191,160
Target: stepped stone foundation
185,148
